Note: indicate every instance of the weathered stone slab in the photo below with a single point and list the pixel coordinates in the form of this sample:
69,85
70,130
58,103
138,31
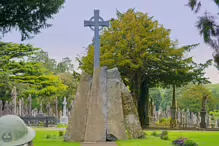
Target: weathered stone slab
96,119
78,119
116,123
133,126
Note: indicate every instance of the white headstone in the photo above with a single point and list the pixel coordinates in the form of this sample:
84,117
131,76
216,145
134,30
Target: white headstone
64,118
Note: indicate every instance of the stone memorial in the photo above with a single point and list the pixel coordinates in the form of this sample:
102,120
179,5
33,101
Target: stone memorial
64,118
1,108
99,112
14,100
29,105
56,107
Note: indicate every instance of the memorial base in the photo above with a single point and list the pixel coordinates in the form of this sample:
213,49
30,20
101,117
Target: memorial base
64,120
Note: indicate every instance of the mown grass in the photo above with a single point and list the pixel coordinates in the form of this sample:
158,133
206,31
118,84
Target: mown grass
41,139
202,138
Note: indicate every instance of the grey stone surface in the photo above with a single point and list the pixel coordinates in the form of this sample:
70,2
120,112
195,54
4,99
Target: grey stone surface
96,122
132,122
116,122
78,119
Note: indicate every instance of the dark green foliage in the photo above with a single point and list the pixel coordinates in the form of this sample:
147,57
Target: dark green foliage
207,26
154,133
28,16
164,135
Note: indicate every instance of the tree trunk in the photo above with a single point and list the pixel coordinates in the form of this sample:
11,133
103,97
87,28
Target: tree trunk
143,104
173,108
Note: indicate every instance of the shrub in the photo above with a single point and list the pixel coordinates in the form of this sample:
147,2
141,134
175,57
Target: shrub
41,124
184,142
61,133
163,122
154,134
48,136
164,135
189,143
145,133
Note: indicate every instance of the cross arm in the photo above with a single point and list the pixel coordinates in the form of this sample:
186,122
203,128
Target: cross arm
89,23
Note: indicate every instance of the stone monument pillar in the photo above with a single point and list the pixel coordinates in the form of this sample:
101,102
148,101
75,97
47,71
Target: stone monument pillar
14,100
20,107
64,118
29,105
1,107
56,107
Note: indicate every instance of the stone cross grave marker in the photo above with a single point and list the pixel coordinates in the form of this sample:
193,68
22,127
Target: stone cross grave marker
96,23
64,118
64,107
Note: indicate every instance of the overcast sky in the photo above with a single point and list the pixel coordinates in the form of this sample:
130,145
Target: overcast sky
68,37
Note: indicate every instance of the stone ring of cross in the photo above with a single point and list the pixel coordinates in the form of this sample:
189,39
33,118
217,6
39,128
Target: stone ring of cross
92,20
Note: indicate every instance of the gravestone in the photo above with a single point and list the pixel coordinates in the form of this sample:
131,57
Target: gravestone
56,107
20,107
23,107
14,101
1,108
41,109
29,104
64,118
48,109
6,109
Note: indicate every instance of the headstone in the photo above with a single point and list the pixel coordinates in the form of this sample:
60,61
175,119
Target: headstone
48,109
26,109
14,100
207,118
1,107
35,112
6,109
56,107
168,112
11,108
41,109
179,118
29,104
20,107
183,115
187,116
64,118
198,120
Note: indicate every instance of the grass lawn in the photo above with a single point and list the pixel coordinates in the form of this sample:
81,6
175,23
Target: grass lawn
41,139
202,138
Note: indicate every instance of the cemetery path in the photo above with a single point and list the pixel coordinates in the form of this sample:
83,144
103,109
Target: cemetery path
98,144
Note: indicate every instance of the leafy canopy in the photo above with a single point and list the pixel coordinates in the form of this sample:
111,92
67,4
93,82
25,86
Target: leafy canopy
28,16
